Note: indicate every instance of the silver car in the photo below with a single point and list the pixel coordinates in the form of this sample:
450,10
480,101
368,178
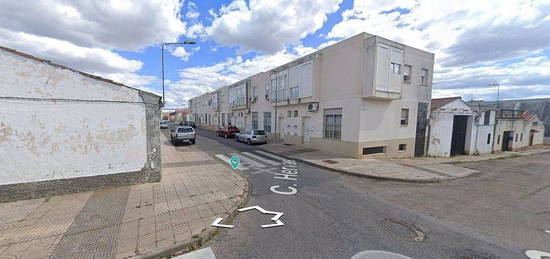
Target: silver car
251,137
180,134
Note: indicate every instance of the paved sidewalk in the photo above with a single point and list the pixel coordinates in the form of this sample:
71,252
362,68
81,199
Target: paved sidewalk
382,169
127,221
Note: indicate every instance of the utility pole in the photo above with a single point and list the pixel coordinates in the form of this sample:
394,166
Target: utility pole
498,92
162,60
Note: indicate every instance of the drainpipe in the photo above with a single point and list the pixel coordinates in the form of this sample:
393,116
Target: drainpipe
276,101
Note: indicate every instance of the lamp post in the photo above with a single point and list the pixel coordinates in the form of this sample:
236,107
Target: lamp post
162,60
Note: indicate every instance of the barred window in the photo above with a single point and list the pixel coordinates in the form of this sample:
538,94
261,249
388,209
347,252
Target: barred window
332,123
267,122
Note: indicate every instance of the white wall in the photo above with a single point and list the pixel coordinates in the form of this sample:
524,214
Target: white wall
55,123
441,128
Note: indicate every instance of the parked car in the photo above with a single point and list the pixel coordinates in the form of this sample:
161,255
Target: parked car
252,137
227,131
182,134
163,124
189,123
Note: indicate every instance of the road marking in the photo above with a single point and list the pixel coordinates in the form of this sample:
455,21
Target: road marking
226,159
249,161
270,155
216,223
275,218
275,187
271,162
375,254
547,231
205,253
534,254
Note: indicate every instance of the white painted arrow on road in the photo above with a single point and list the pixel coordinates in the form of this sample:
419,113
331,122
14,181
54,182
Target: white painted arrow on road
217,224
275,218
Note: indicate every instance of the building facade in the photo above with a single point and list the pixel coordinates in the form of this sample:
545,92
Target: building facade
459,129
65,131
365,95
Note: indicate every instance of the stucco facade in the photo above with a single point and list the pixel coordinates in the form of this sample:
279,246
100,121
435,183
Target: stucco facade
347,98
65,131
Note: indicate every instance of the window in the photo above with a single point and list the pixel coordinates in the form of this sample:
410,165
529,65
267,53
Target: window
296,113
333,123
498,140
402,147
259,132
407,73
488,138
267,121
404,117
289,114
395,68
255,120
374,150
185,130
254,91
223,119
516,137
521,137
424,77
486,118
294,93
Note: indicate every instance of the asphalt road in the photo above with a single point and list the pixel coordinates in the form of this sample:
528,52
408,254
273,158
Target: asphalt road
330,216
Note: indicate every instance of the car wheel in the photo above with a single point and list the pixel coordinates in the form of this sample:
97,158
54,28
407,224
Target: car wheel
249,142
193,142
236,138
226,136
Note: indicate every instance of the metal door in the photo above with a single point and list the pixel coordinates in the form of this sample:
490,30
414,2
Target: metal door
421,124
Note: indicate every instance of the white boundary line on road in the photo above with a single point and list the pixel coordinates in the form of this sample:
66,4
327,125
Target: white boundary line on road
270,155
269,161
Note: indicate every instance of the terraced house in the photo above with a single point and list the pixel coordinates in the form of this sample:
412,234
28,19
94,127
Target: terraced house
364,95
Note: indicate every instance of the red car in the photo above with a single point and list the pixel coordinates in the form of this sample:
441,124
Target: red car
227,131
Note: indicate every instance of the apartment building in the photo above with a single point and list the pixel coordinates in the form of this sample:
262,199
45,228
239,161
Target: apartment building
365,95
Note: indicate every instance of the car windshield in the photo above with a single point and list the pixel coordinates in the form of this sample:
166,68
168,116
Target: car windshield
259,132
185,130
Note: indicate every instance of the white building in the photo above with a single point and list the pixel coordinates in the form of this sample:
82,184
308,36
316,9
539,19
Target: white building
459,129
364,95
64,131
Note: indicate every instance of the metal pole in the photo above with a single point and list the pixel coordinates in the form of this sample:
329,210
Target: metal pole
162,70
162,60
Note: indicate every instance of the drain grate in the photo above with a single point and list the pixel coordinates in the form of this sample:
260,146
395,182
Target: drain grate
332,162
403,229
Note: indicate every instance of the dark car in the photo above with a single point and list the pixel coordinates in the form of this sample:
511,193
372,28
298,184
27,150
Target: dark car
227,131
189,123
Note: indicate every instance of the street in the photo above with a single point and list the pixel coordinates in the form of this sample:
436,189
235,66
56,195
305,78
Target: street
333,216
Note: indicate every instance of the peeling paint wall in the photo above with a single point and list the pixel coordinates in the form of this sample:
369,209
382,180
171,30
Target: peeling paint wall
59,124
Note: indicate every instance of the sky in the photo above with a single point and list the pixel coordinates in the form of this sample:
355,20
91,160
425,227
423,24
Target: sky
476,43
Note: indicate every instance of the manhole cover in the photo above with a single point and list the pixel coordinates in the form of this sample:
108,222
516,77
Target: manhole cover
332,162
403,229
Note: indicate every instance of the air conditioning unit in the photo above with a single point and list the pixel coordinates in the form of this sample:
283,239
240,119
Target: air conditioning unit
252,99
406,78
312,107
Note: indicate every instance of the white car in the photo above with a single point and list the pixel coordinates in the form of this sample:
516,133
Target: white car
251,137
163,124
183,134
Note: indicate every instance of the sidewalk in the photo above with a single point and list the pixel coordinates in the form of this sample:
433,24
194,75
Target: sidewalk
381,169
123,222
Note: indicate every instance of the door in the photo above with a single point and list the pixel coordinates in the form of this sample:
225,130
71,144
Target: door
507,140
306,129
531,136
421,124
458,139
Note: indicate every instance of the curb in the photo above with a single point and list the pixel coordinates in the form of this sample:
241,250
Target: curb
206,235
379,178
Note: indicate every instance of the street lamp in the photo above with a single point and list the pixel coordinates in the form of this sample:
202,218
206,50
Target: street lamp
162,59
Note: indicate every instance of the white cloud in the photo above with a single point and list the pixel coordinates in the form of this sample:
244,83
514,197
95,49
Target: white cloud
124,24
199,80
268,26
87,59
462,34
180,52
